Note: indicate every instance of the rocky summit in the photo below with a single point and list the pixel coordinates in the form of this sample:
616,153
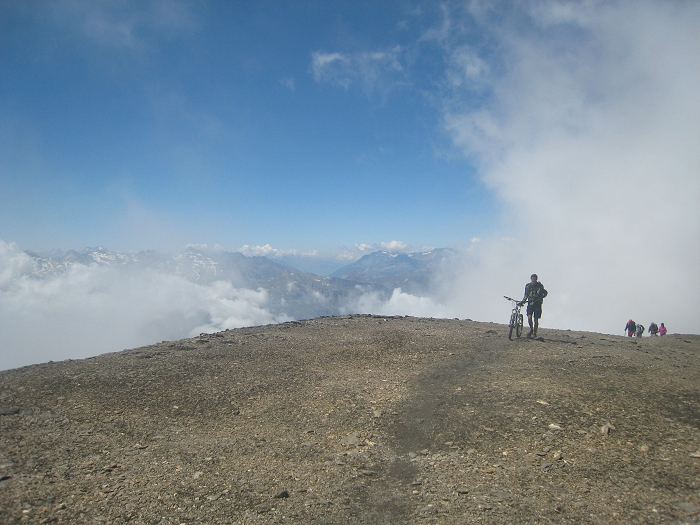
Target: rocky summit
359,419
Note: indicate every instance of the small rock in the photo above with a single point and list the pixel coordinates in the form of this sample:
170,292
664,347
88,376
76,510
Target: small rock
351,439
8,411
606,428
687,507
554,426
283,494
501,495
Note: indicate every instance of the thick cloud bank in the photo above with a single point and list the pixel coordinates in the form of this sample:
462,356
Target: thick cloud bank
587,131
94,309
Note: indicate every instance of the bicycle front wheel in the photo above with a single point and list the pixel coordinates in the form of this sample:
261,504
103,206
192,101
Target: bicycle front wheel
511,325
519,326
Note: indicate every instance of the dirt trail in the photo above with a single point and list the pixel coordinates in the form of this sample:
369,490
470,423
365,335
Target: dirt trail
359,419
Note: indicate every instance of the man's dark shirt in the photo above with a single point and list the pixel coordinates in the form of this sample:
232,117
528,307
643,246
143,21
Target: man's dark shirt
534,292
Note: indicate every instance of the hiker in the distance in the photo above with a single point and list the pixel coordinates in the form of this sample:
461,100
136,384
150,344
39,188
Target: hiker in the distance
662,329
640,330
631,328
653,329
534,294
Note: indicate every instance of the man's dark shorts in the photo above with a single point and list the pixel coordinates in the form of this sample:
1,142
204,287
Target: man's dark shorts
535,309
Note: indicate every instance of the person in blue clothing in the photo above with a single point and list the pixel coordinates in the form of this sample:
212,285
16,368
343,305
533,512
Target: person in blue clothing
534,295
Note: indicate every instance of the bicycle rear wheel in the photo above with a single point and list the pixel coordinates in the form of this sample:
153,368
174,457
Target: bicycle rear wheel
519,326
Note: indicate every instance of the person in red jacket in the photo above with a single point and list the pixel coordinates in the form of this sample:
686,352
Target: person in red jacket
631,327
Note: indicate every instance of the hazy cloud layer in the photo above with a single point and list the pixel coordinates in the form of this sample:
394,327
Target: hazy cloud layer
399,303
91,310
588,134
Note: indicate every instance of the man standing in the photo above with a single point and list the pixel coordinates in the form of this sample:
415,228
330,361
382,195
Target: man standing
534,294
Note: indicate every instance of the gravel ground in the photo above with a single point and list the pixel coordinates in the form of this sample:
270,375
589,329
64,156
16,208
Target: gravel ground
359,419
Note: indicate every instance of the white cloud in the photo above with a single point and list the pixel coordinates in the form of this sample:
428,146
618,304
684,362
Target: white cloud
466,68
288,82
92,310
334,68
269,251
374,71
588,135
399,303
394,246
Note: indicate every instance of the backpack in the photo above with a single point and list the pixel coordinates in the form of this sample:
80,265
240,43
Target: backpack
640,330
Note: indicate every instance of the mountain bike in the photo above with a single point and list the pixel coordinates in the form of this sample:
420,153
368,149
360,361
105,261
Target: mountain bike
516,319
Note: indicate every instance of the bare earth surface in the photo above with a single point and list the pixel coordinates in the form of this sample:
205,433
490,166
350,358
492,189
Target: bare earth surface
359,419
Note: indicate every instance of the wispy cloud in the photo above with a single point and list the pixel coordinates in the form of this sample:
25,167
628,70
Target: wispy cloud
120,26
288,82
268,251
375,71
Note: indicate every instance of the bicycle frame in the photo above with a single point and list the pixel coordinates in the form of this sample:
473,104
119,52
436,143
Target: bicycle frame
516,319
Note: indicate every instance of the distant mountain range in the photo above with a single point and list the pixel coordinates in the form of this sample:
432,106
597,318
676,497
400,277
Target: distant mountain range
412,272
302,295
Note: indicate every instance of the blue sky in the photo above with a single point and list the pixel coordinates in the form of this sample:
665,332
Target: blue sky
304,125
545,136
